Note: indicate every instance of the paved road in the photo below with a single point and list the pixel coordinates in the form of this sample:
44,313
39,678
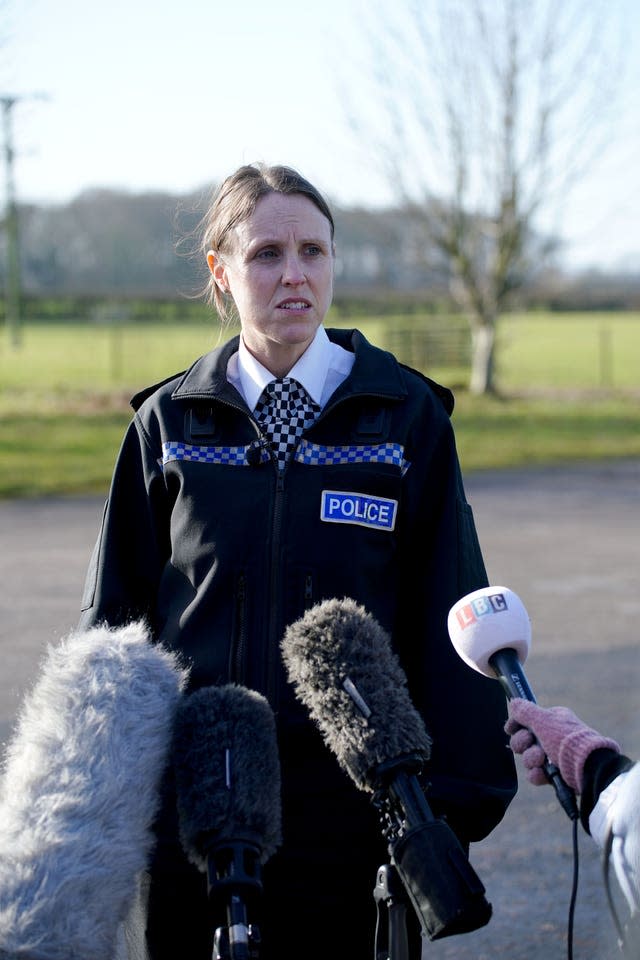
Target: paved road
567,540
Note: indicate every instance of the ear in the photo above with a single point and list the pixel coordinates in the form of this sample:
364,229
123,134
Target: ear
218,270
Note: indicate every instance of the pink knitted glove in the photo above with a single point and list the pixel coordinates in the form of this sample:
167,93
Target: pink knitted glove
555,733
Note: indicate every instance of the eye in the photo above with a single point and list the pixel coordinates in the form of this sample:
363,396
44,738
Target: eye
313,250
267,253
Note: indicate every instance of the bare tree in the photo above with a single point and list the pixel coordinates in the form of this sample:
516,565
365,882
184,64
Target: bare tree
487,113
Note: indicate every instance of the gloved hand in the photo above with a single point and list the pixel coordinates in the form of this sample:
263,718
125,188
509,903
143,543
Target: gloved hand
556,733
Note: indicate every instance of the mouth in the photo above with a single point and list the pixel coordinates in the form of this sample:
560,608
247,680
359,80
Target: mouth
294,305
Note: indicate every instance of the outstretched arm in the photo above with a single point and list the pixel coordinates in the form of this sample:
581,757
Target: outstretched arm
557,733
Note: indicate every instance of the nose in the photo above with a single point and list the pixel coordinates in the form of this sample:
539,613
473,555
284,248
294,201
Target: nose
292,273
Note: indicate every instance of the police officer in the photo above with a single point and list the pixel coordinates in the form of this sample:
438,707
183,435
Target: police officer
294,464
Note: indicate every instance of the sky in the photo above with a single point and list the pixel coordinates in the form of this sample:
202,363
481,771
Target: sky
173,95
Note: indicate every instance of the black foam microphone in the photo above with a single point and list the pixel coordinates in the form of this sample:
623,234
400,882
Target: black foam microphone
343,669
491,631
227,772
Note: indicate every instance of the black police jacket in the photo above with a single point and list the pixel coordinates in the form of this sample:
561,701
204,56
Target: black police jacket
203,538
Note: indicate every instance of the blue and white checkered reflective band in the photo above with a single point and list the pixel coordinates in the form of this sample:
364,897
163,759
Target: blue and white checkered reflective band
233,456
315,454
311,454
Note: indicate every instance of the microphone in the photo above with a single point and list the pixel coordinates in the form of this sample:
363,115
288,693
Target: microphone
80,791
343,669
227,770
256,450
491,631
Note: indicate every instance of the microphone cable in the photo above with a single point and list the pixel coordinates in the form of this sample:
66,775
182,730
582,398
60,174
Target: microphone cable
574,888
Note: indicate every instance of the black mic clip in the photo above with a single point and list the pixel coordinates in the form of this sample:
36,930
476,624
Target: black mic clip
254,452
443,888
234,884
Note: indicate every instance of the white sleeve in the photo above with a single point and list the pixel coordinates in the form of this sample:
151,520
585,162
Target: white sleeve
618,810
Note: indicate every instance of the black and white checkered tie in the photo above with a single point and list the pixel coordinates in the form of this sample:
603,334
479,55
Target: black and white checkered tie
284,411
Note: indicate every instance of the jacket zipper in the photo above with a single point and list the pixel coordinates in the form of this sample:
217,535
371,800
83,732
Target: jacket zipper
308,591
273,643
237,653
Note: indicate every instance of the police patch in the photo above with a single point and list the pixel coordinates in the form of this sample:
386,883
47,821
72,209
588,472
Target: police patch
339,506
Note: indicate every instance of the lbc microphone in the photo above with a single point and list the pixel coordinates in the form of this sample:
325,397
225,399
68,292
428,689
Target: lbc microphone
227,769
343,669
491,631
80,791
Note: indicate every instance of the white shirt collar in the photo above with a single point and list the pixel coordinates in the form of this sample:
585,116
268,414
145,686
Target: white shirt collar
310,370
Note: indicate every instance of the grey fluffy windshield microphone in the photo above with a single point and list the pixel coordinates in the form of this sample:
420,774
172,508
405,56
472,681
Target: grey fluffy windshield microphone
80,792
228,795
344,670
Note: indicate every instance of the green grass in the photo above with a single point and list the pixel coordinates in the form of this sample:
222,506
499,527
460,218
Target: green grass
58,453
57,360
569,389
580,351
493,433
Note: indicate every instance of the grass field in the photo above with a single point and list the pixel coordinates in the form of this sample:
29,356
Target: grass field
569,389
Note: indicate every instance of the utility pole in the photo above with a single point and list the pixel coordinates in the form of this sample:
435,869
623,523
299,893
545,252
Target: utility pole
13,284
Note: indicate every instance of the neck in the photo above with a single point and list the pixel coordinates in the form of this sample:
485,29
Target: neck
278,358
277,362
279,370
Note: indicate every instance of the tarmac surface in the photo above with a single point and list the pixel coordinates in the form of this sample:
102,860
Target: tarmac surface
567,541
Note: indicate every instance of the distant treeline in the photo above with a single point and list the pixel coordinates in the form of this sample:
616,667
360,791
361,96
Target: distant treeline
107,310
141,250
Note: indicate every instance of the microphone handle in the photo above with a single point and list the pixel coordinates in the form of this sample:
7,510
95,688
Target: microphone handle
238,928
405,788
507,668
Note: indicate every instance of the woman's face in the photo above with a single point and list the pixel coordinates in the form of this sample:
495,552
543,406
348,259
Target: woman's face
279,271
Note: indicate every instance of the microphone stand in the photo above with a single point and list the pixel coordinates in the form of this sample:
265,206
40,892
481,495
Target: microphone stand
391,941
